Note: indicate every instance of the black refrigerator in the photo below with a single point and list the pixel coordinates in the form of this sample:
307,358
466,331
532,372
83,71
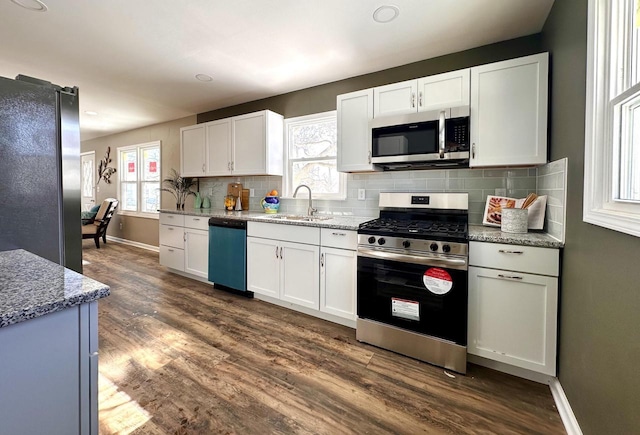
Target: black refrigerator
40,170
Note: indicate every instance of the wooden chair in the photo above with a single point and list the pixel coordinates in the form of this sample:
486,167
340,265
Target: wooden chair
99,226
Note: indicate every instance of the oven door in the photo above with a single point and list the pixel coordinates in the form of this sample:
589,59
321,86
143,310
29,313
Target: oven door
426,295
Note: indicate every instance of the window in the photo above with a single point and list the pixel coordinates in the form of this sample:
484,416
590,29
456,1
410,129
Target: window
612,148
311,156
139,179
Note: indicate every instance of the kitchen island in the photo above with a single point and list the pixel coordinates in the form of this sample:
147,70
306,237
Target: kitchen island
48,347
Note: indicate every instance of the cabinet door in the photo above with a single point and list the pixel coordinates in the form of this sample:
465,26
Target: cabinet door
355,110
192,151
249,144
219,147
196,252
513,318
509,112
300,280
172,257
395,99
263,266
338,282
444,90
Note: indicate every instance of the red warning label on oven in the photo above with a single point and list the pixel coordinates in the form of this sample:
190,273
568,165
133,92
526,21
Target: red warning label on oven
437,281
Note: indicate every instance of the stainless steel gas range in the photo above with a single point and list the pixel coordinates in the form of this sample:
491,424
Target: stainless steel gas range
412,277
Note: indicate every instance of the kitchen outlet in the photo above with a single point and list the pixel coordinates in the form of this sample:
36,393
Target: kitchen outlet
501,192
120,225
361,195
252,193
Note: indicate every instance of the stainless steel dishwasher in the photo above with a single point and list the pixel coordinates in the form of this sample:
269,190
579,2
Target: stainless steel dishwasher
228,254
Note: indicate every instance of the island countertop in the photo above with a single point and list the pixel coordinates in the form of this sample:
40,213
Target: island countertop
31,286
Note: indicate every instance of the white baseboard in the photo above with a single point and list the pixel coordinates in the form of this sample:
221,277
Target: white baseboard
308,311
564,408
133,243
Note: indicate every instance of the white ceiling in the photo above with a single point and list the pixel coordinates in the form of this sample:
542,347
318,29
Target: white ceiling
135,61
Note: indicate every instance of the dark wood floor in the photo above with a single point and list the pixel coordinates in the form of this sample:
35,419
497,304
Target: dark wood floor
178,357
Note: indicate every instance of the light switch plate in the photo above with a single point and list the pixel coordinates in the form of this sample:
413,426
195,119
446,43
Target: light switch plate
252,193
361,194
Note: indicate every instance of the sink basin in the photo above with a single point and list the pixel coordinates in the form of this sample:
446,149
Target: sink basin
302,218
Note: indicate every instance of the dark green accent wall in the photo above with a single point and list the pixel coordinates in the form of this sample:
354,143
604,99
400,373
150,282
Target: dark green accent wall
323,98
600,289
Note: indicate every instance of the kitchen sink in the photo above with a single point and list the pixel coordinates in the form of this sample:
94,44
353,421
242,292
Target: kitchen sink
302,218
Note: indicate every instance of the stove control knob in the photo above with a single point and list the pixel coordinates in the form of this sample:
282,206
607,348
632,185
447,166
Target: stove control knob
406,244
371,239
381,241
433,247
446,248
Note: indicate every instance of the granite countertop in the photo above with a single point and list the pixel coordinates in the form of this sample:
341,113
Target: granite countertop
479,233
340,222
31,286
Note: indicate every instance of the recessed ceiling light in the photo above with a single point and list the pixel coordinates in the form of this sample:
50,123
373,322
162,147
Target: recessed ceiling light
204,77
91,113
32,5
386,14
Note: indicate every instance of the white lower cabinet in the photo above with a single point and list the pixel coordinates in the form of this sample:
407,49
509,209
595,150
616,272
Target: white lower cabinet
512,312
299,269
338,282
312,269
184,243
283,270
196,252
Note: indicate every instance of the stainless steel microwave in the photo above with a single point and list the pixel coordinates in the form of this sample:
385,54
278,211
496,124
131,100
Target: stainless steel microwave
437,138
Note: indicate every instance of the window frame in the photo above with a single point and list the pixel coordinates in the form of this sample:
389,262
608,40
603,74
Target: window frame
287,182
139,182
603,128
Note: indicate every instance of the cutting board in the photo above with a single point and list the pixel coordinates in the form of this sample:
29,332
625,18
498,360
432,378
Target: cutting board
234,189
245,199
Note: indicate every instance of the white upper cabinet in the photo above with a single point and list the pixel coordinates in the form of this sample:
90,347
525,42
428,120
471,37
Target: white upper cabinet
444,90
192,151
257,144
218,147
395,99
355,110
250,144
509,103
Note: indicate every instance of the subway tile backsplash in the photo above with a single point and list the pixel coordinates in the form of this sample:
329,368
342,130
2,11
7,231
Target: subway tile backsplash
514,182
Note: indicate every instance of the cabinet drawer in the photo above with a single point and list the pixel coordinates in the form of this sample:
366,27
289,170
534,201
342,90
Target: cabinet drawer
171,219
171,235
530,259
343,239
172,257
283,232
196,222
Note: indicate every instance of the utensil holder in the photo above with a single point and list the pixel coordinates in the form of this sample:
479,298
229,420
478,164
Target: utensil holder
514,220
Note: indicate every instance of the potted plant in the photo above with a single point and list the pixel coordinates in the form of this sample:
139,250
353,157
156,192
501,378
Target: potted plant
179,187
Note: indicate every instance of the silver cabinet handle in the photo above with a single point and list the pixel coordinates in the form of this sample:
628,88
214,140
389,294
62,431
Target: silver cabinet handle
413,99
321,260
196,219
369,156
170,229
509,276
420,99
170,250
169,216
441,132
339,234
506,251
184,237
277,252
281,252
203,167
473,151
229,166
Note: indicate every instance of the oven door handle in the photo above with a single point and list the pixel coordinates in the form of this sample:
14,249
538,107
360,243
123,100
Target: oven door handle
451,263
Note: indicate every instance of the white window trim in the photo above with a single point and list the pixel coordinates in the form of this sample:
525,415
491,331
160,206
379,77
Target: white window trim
600,208
145,215
288,193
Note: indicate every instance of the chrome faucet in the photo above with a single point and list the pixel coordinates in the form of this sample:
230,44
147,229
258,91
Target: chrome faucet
310,210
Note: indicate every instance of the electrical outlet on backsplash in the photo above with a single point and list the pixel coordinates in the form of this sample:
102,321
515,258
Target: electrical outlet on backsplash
515,182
